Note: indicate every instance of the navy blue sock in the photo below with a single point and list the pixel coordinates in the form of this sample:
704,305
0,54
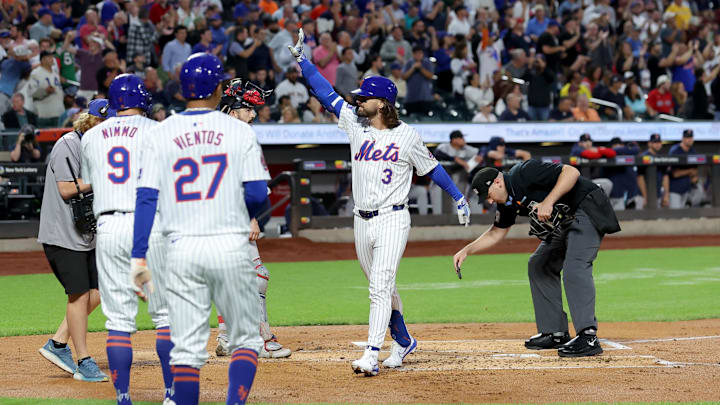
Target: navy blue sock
120,354
163,345
241,375
398,331
186,385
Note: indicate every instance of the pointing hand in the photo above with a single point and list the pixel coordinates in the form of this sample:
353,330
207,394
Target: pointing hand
297,50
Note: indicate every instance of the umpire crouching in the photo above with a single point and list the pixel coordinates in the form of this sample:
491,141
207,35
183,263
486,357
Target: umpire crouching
71,250
570,214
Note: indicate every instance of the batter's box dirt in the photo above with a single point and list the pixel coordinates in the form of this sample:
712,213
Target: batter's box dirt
487,355
454,363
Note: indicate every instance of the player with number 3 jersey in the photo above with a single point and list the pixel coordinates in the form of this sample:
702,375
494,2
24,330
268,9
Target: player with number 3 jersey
384,152
204,170
111,155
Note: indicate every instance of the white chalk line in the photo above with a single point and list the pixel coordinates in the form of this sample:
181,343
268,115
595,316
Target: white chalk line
671,339
610,345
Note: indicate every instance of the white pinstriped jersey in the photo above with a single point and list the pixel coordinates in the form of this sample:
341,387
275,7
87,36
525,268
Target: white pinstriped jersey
198,160
383,161
111,160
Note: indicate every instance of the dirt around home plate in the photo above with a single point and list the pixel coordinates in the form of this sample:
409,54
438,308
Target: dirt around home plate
469,363
465,363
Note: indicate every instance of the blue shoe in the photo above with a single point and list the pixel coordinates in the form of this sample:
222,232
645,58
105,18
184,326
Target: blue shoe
59,357
88,370
398,353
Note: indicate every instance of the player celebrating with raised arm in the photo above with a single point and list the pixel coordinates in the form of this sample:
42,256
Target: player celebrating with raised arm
204,169
384,151
239,101
111,161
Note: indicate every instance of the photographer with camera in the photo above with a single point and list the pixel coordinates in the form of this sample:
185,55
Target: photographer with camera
69,243
26,148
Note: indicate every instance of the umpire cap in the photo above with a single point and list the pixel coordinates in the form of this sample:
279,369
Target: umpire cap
377,87
483,180
200,75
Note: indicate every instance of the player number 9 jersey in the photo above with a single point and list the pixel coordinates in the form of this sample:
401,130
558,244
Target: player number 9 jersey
111,160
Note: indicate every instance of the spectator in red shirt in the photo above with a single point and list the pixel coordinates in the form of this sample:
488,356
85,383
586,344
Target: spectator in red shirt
158,9
320,9
326,58
91,26
660,100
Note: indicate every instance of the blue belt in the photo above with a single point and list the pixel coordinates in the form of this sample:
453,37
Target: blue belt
370,214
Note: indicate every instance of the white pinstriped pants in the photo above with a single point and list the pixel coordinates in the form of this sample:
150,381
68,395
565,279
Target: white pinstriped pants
380,243
206,269
118,300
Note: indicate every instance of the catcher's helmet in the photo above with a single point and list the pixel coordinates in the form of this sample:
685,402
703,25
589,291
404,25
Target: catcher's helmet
242,94
128,91
200,75
378,87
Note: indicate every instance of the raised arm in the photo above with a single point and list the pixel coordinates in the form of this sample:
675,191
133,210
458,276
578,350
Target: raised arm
319,85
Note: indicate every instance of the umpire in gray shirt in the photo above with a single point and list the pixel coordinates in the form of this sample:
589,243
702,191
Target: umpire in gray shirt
71,253
571,250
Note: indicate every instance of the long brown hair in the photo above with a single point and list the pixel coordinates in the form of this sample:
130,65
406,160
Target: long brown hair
389,114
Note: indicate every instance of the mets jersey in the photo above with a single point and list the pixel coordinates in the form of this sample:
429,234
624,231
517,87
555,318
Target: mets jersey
111,160
383,160
198,160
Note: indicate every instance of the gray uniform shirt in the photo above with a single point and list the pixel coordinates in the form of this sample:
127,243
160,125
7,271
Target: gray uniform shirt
56,224
466,153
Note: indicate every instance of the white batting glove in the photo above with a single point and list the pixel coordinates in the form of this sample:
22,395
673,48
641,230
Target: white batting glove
463,211
140,277
297,50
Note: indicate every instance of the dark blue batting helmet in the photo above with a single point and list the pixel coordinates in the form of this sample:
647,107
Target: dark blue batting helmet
128,91
200,76
377,87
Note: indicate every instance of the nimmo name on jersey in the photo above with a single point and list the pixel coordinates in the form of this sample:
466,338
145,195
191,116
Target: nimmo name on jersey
198,138
119,131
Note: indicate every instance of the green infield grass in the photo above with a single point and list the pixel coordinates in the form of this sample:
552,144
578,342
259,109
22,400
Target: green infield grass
632,285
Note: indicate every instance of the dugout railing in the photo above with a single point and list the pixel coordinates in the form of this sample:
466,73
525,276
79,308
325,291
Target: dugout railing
302,195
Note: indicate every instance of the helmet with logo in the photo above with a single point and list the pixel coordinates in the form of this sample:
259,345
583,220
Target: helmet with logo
200,76
128,91
377,87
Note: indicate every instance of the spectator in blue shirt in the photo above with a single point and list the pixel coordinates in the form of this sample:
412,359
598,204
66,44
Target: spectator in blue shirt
11,70
218,33
625,190
206,45
682,178
538,24
108,11
60,18
176,51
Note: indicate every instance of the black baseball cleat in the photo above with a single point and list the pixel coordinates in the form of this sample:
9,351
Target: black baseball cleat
582,345
543,341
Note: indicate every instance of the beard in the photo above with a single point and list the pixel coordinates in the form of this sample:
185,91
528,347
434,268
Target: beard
362,112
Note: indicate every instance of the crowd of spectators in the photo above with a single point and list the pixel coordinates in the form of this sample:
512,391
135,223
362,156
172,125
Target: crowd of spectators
479,60
678,186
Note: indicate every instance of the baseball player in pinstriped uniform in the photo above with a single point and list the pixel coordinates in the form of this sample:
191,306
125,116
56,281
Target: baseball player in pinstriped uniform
111,161
239,101
384,151
204,169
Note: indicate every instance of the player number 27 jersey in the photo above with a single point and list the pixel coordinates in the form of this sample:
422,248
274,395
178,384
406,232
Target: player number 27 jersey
199,161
